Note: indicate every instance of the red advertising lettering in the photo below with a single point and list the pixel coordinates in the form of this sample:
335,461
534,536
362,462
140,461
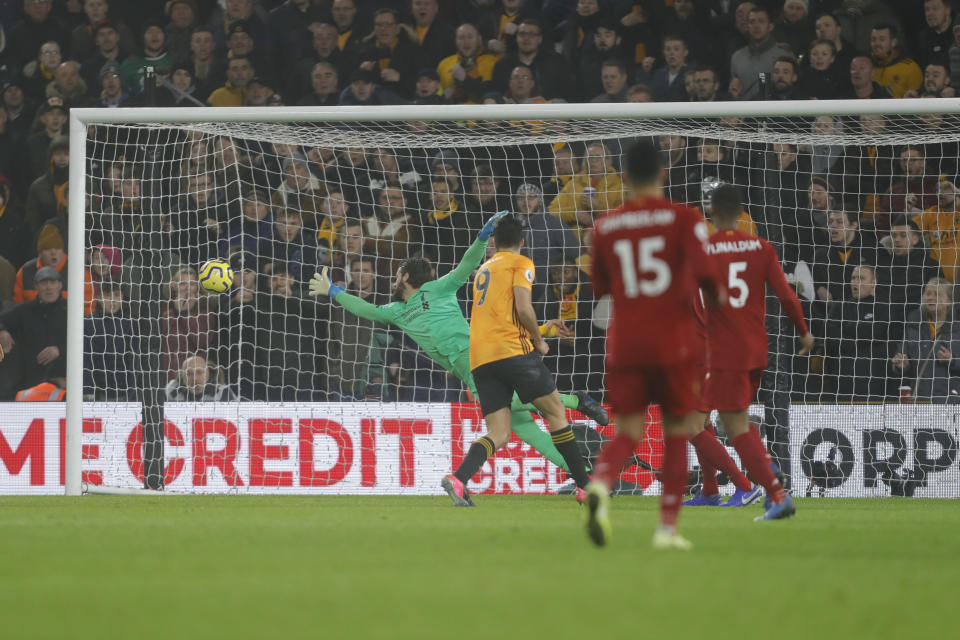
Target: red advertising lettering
174,438
310,476
259,452
407,429
368,452
223,459
30,448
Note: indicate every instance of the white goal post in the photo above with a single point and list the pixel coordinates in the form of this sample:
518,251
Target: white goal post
769,123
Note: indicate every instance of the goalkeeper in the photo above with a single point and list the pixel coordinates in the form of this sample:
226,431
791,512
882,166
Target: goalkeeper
428,311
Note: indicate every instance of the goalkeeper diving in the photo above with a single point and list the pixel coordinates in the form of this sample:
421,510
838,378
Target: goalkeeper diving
428,311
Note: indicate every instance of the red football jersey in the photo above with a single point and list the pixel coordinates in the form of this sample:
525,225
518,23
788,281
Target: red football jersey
649,255
736,332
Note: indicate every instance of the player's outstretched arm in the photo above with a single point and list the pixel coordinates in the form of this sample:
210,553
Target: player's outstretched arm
471,259
320,286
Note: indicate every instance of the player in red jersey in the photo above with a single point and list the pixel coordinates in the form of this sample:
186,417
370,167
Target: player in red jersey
737,337
712,455
649,255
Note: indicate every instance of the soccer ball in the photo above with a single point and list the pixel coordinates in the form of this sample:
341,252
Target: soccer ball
216,275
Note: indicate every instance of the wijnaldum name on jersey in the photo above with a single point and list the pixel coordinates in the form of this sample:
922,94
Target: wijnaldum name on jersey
738,246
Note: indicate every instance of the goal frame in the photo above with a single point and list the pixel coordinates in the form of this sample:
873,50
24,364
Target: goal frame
80,119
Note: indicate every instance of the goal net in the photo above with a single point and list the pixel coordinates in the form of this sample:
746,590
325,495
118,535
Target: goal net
266,389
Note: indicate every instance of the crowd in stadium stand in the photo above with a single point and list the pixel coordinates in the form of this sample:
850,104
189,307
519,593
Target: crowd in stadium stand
868,233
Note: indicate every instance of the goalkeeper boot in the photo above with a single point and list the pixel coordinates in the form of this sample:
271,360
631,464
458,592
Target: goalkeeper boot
779,511
666,539
701,500
592,409
598,517
457,491
743,498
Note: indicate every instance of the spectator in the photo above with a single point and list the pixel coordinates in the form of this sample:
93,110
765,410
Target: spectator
428,89
595,189
110,348
823,79
485,198
783,85
324,50
257,92
606,47
112,93
523,88
363,90
575,355
911,192
154,54
447,229
941,230
849,247
667,82
544,235
391,229
33,336
578,28
436,37
706,85
255,226
289,248
862,85
107,49
179,31
613,77
869,167
351,337
794,29
300,190
858,18
828,27
253,15
954,57
83,38
937,37
192,384
39,72
674,157
549,68
207,67
352,175
826,159
289,343
936,81
233,93
325,86
466,76
181,90
36,27
20,109
903,268
69,86
13,234
857,331
931,337
289,41
893,71
344,14
391,53
193,223
690,22
187,326
351,245
758,57
786,177
241,43
47,197
639,93
337,211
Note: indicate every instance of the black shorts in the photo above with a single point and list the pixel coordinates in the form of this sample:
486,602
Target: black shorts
498,380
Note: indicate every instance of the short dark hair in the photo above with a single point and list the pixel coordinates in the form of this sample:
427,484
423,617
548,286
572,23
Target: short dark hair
674,36
762,10
360,259
790,60
509,232
892,28
642,163
615,62
387,10
533,22
725,202
419,271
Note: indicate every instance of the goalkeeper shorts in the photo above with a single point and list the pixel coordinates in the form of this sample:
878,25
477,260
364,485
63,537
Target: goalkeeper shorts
498,380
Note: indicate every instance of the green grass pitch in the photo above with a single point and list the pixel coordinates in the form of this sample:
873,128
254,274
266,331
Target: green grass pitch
515,567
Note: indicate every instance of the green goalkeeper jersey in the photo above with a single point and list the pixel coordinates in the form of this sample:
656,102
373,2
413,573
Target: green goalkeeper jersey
431,316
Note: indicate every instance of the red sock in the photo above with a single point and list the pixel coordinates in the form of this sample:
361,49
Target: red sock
674,477
612,457
708,484
757,462
711,451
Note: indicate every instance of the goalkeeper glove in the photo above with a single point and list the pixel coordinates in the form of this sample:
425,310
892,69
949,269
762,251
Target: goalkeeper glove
488,228
320,285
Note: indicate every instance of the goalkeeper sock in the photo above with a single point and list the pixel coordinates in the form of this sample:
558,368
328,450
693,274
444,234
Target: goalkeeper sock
612,457
713,454
757,461
569,402
478,453
528,431
674,476
566,444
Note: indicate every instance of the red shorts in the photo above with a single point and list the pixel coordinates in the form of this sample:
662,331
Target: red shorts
703,401
730,390
675,388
